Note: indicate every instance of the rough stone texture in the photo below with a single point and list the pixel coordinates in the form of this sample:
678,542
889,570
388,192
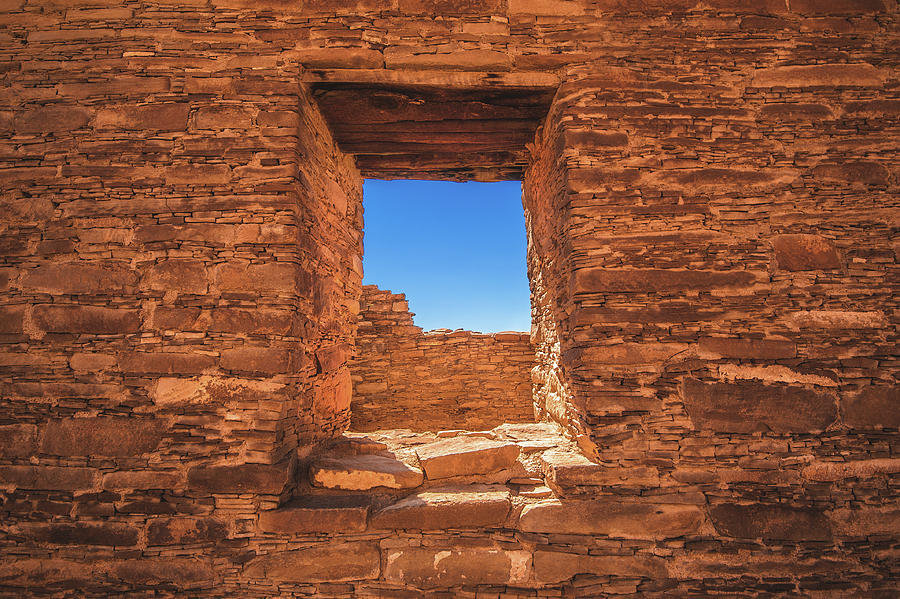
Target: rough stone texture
438,380
469,506
168,162
364,472
461,456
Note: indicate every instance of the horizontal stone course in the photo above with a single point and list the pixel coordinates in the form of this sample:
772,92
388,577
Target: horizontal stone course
612,518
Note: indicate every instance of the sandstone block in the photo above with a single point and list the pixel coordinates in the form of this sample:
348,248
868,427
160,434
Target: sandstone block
759,349
463,456
834,319
39,573
837,7
183,531
586,138
264,479
805,252
51,478
223,117
119,535
18,440
866,521
662,312
11,318
181,275
363,472
247,359
791,112
749,406
553,566
872,407
864,173
770,522
332,357
165,363
703,179
596,180
820,75
195,174
615,519
438,567
873,107
177,318
339,58
183,572
396,57
318,514
445,8
86,319
625,354
274,277
567,469
862,469
326,562
52,119
93,361
160,117
252,321
464,506
141,479
103,436
650,280
108,278
550,8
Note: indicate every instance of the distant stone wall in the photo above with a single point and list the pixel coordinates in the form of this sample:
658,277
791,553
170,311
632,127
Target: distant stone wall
404,378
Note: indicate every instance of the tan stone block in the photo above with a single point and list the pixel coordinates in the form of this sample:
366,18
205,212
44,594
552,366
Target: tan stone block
51,478
268,360
224,117
141,480
160,117
706,179
647,280
95,278
462,506
92,361
873,107
86,319
820,75
115,86
628,520
52,119
111,535
273,277
837,7
834,319
363,472
862,469
625,353
264,479
332,357
11,319
760,349
746,407
444,8
195,174
18,440
452,566
770,522
339,58
554,566
791,112
462,456
874,406
103,436
864,173
182,572
573,469
177,318
805,252
257,321
183,531
463,60
182,275
552,8
165,363
866,521
31,573
318,514
325,562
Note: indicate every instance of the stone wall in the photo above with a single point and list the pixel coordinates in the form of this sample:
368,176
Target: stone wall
712,207
437,380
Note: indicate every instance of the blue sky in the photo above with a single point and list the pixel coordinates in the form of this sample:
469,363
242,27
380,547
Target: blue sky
457,250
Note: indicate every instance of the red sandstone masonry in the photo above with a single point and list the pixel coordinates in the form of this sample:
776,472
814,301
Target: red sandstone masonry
404,378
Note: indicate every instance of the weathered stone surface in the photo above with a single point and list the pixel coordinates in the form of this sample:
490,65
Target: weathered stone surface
834,319
856,75
163,117
446,567
865,173
789,111
109,278
86,319
268,360
805,252
181,571
318,514
165,363
748,349
612,518
181,275
120,535
874,406
339,58
142,479
748,406
256,278
362,472
183,531
625,354
269,479
465,506
11,318
326,562
648,280
18,440
52,119
256,321
223,117
554,566
863,469
770,522
103,436
704,179
463,60
332,357
865,521
461,456
567,469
